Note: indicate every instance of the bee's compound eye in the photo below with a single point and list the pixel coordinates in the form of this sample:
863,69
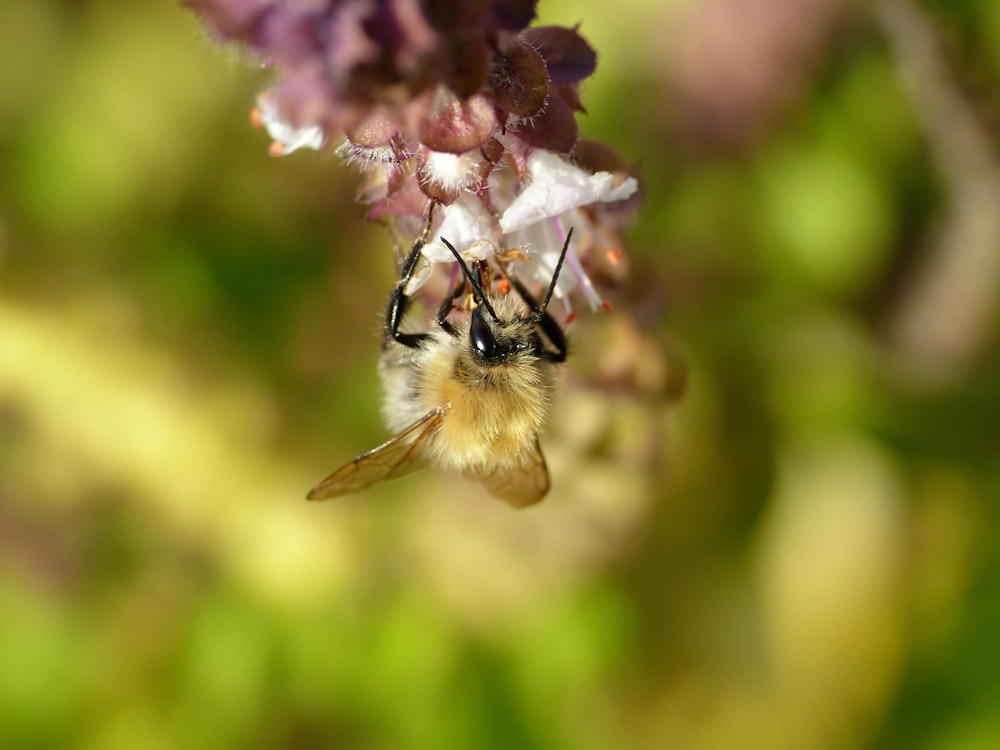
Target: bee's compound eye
483,341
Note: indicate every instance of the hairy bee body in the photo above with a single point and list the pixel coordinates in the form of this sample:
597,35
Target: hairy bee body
494,411
469,397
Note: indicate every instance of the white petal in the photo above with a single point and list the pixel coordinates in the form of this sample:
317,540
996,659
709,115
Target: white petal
419,277
466,223
298,138
555,187
289,137
543,245
480,250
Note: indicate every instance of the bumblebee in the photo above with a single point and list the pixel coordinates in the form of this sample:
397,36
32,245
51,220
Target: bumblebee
468,397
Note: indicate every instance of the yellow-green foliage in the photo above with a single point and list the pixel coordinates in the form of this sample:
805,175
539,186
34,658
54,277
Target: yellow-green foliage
800,552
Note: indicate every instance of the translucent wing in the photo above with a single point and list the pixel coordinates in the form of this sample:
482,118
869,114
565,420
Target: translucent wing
396,457
519,485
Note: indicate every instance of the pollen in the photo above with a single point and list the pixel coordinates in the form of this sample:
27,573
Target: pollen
514,253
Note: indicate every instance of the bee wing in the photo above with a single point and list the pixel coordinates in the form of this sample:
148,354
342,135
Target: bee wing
519,485
396,457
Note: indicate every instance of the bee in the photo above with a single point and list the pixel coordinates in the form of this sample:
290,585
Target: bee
467,397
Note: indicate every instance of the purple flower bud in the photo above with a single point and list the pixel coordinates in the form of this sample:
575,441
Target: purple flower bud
567,55
519,79
454,102
511,15
554,128
454,125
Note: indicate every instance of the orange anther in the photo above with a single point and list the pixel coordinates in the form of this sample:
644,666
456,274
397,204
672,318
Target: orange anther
605,306
614,255
514,253
255,118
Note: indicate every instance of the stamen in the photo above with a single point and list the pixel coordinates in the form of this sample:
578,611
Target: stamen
555,273
593,298
570,312
513,253
612,252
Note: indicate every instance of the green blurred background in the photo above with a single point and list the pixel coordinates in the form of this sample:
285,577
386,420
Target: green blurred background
800,552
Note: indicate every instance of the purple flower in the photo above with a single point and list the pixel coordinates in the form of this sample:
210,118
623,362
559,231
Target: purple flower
448,102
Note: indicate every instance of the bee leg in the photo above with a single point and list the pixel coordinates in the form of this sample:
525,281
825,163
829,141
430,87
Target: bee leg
549,325
446,304
399,300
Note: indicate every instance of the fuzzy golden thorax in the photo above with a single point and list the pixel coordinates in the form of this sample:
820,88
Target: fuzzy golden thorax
496,402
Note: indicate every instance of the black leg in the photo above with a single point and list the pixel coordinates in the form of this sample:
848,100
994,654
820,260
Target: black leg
446,304
548,324
398,299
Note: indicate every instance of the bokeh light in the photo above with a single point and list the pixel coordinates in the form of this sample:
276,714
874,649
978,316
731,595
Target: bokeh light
775,464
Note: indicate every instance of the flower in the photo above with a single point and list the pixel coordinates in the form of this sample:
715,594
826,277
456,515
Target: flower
551,203
469,226
444,75
285,136
458,105
533,217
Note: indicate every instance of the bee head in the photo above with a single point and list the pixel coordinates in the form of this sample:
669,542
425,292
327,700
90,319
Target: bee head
493,341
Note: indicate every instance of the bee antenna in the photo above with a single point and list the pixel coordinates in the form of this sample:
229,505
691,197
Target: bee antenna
555,275
476,288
